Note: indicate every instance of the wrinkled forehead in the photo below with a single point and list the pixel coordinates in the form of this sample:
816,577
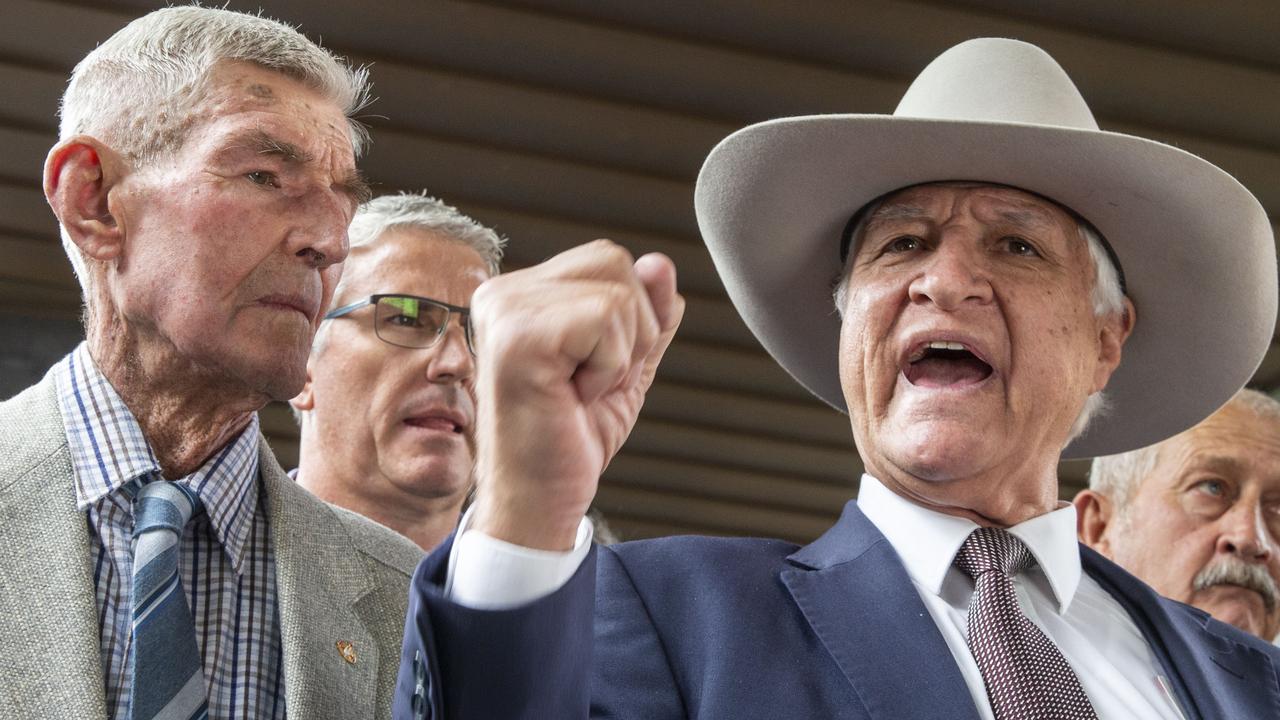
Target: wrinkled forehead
1236,441
930,202
986,202
235,94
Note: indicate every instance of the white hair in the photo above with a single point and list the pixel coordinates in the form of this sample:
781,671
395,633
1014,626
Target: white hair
1118,476
138,92
1107,296
1108,299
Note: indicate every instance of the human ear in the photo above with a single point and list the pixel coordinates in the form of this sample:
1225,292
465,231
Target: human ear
79,175
1114,331
1093,517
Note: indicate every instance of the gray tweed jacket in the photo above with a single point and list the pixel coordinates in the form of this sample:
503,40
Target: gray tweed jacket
339,577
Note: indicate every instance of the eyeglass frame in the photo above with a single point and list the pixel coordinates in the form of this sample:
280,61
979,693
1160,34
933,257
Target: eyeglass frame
464,314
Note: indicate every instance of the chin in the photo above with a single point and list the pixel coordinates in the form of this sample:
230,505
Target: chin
1247,624
260,365
278,371
276,377
938,452
435,477
1234,613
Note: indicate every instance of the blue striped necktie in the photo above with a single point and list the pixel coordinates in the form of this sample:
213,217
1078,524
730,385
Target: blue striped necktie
168,676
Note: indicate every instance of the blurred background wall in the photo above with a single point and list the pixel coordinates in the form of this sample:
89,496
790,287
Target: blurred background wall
559,121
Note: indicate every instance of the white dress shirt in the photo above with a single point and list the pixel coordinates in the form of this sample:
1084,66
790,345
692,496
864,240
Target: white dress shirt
1097,637
1094,633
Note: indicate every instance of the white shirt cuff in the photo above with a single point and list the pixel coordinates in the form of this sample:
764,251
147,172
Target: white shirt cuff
486,573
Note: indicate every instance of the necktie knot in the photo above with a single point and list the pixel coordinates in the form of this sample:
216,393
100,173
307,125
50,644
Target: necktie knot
162,505
988,549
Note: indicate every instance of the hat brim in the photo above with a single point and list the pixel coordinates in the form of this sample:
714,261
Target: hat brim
1196,248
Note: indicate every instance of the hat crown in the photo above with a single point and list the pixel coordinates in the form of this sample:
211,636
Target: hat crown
997,80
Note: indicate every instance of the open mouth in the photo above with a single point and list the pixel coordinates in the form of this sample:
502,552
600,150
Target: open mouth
944,364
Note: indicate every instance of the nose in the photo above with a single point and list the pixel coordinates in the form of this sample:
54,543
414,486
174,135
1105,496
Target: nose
449,360
1245,534
320,237
952,276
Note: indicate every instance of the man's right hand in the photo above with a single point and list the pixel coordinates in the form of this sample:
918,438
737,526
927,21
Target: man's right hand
566,351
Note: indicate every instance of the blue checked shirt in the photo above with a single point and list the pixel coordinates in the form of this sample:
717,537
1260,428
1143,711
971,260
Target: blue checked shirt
227,560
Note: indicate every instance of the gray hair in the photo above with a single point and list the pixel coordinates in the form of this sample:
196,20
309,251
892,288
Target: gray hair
137,91
420,210
1107,296
1117,476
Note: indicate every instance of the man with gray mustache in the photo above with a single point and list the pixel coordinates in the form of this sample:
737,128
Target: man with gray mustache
1198,516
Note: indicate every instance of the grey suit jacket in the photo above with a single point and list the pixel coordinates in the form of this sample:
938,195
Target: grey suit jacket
339,577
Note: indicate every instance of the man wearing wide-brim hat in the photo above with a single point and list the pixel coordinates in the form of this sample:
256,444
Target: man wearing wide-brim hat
1012,286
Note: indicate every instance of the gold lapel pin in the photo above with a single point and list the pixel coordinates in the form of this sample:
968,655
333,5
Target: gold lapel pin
347,651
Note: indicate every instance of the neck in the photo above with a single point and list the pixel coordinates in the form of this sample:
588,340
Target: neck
998,499
187,411
427,521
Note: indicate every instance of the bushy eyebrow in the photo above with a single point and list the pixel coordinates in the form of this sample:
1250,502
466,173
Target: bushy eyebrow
263,143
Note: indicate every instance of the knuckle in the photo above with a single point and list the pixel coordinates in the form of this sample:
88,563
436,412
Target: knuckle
490,296
612,254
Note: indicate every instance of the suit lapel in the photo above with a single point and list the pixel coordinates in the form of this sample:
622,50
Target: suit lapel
320,580
1215,673
48,609
856,595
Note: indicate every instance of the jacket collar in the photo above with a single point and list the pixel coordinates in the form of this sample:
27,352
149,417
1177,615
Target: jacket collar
900,665
892,653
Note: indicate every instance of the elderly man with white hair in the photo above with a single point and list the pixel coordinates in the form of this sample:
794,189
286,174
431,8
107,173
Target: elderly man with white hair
157,562
388,408
1197,516
972,235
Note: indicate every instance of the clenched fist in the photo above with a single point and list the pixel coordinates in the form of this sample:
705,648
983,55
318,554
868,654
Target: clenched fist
566,351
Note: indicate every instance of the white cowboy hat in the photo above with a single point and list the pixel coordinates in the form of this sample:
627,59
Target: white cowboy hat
1194,245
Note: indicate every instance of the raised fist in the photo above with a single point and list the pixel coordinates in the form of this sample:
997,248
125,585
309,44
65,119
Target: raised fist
566,351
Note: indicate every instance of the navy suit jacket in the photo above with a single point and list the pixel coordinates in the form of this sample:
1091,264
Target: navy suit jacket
694,627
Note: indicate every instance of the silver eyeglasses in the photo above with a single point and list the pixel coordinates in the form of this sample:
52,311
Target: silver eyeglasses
410,321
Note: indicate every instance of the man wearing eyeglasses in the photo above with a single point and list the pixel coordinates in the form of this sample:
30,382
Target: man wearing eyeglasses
387,411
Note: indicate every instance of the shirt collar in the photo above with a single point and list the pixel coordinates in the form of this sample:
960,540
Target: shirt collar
927,541
109,453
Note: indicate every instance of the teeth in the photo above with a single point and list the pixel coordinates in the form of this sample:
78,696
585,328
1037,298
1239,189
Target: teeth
934,345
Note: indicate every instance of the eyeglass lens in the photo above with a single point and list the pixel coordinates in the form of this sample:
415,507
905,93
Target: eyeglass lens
411,322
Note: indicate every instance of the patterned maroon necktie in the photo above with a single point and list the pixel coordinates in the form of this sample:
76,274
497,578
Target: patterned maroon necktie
1026,676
